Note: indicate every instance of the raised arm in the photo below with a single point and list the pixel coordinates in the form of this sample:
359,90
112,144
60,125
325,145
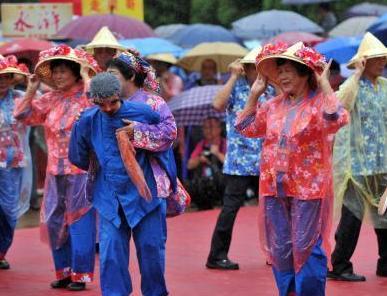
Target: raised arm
334,115
32,109
222,97
347,92
251,121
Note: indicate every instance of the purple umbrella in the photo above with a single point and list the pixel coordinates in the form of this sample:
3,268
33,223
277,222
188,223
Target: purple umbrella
85,27
192,106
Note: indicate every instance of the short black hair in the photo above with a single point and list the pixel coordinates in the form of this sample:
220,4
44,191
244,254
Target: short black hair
127,71
74,67
301,70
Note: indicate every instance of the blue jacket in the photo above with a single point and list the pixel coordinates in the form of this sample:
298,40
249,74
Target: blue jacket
95,133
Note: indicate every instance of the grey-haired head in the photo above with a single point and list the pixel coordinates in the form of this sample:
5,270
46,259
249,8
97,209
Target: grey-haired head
103,86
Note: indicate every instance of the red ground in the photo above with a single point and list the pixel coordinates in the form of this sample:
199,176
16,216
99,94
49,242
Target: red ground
188,243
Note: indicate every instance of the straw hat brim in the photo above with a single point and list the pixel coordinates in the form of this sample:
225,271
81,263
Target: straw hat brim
11,70
267,66
43,71
166,58
352,62
91,47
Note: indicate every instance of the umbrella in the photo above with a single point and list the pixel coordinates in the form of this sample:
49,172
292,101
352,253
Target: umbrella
192,106
366,8
294,37
379,29
85,27
354,26
152,45
223,53
269,23
341,49
192,35
26,48
167,31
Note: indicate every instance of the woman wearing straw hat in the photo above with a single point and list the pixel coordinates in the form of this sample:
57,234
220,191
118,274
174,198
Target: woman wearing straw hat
296,189
67,219
360,159
13,155
104,47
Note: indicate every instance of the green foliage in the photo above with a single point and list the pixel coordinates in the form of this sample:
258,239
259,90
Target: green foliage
224,12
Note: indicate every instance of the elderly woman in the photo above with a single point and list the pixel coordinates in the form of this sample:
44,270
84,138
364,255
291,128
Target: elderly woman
295,186
138,84
13,154
360,160
66,215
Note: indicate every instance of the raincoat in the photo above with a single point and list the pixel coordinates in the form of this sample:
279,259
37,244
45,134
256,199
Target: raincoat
360,156
296,186
15,169
65,201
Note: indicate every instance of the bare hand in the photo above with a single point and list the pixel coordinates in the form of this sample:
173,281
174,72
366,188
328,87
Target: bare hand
129,128
360,66
33,83
236,68
259,84
323,78
85,73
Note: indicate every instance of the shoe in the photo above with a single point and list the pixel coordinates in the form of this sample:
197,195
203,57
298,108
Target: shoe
225,264
347,276
75,286
4,264
61,284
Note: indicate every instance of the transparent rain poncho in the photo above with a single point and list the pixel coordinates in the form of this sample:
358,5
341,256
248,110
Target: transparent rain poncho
296,186
360,160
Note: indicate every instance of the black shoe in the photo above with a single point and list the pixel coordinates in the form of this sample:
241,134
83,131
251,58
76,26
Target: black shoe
225,264
347,276
4,264
74,286
61,284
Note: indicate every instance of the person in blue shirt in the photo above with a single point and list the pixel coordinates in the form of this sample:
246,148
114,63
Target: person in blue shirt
241,164
123,212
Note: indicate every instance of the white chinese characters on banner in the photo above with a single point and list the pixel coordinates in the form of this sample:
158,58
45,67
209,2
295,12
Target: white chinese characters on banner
34,20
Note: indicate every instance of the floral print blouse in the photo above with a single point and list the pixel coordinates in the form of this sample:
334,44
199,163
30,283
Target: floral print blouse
57,111
297,149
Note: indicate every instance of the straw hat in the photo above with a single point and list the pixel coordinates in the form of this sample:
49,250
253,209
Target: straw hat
266,60
104,38
251,57
10,65
162,57
63,52
370,47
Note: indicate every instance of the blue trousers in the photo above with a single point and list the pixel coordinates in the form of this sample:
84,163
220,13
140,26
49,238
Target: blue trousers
309,281
76,256
149,237
292,225
10,182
